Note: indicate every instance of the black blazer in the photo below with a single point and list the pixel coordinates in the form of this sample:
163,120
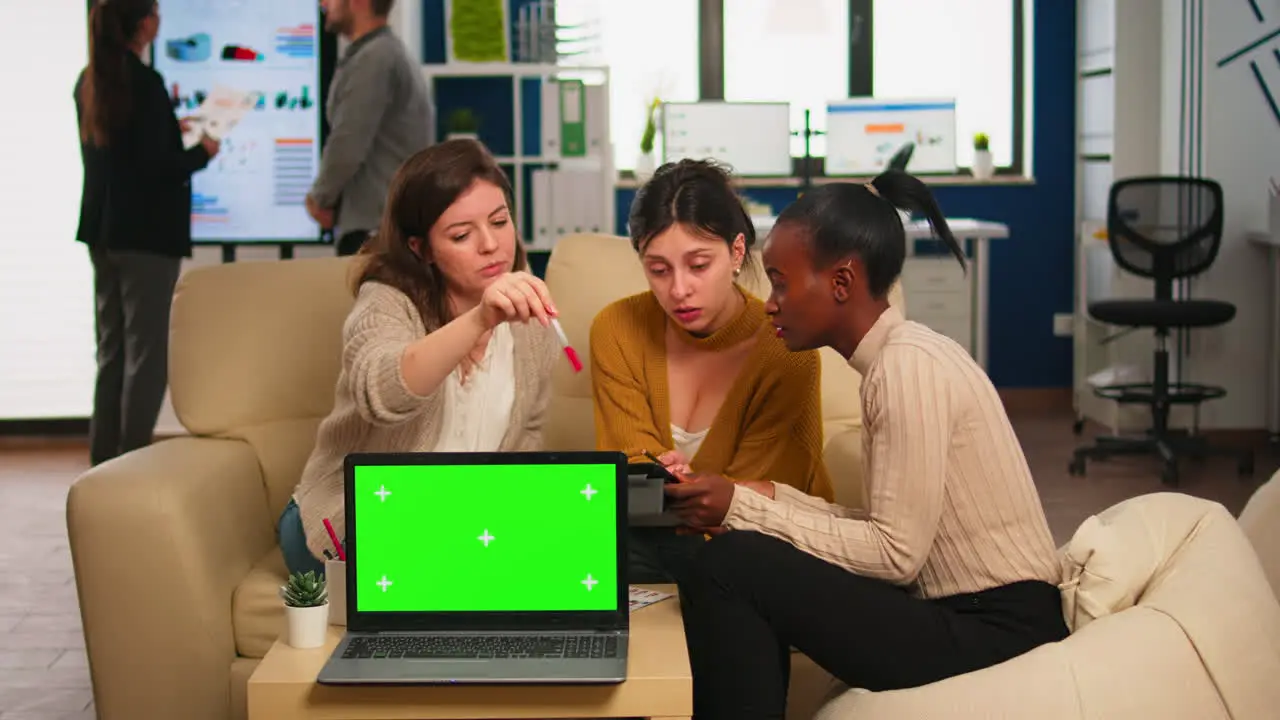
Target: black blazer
137,191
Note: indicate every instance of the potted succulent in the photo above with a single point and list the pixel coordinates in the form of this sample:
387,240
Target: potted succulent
463,123
645,162
984,166
306,609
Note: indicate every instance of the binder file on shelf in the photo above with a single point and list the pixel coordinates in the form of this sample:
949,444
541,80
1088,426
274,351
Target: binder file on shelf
567,202
582,125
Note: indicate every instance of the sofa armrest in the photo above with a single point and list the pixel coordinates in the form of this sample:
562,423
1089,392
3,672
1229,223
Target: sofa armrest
160,537
843,457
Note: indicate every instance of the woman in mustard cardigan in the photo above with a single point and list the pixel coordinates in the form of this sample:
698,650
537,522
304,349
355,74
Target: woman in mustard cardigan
692,371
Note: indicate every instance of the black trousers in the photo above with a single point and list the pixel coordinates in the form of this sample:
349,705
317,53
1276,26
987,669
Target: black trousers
133,292
658,555
349,243
754,597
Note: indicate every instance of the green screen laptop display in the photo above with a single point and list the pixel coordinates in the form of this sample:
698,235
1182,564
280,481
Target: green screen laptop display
460,538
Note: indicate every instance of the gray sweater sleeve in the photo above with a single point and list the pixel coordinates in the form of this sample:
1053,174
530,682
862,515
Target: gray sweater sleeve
362,93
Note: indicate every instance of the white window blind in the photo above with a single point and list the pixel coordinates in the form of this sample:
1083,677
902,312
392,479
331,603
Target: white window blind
944,48
650,48
46,284
794,51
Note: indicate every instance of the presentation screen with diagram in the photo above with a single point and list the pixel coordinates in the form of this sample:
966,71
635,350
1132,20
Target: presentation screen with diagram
864,133
249,74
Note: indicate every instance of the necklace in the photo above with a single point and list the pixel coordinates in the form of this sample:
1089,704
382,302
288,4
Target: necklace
474,357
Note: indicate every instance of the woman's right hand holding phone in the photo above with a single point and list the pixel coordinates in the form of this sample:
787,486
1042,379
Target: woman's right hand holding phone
675,462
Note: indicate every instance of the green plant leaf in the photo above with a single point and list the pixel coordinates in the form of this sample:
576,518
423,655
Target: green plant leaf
305,590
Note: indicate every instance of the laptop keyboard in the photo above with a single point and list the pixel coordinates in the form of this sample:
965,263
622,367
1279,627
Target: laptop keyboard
482,646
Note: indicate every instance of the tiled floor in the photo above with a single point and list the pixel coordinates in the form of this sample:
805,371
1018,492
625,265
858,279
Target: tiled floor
43,673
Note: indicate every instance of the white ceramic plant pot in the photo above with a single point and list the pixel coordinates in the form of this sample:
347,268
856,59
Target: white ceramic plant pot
984,165
307,626
645,166
462,136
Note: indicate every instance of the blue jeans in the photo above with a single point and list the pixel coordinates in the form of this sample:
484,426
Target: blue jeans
293,542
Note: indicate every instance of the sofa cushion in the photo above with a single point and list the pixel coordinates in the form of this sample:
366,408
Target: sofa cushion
1260,520
1216,590
584,273
1114,555
282,448
1134,664
1188,559
234,365
257,612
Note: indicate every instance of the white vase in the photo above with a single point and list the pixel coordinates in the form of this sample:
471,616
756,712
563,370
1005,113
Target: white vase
644,166
306,627
984,165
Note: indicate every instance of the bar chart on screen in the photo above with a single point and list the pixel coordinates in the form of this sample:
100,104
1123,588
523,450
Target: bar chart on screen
268,54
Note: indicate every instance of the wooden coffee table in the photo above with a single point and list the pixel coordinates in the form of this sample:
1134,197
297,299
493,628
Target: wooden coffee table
659,685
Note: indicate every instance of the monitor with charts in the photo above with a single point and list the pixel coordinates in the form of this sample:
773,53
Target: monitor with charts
752,138
864,134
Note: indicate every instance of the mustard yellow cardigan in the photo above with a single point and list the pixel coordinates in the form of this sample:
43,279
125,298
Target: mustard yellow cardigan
770,425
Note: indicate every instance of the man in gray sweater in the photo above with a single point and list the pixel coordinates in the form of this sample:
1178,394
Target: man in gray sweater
379,114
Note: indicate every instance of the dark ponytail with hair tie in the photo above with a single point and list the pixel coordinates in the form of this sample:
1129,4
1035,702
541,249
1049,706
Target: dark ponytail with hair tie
846,219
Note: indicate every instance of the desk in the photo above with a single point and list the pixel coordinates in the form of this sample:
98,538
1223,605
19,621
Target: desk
1271,244
659,685
972,327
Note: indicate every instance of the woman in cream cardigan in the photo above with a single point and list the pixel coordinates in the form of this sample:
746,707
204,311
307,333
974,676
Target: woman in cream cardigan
448,346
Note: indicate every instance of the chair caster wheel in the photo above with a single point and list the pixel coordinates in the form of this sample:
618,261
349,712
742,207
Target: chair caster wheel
1076,467
1169,475
1077,427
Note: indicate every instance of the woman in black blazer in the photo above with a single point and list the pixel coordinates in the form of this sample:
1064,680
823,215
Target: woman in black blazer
135,217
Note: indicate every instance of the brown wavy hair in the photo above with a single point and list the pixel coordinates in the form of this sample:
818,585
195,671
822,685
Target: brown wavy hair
421,190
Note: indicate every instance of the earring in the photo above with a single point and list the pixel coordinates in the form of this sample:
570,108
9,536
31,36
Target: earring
737,271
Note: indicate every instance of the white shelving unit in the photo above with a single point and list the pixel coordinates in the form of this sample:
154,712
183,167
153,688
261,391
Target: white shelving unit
1118,125
599,157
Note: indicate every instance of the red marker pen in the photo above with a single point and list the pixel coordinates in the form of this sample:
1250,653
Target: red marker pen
569,352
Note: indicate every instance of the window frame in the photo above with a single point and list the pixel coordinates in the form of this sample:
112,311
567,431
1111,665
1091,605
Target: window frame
861,71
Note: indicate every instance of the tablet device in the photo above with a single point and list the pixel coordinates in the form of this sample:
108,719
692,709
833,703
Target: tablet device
646,501
652,470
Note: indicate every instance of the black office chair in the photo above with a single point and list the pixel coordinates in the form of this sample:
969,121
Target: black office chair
1166,229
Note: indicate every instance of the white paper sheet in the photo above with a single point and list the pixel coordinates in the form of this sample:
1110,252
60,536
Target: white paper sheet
217,115
642,597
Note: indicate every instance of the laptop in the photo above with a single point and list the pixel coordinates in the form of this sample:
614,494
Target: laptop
484,568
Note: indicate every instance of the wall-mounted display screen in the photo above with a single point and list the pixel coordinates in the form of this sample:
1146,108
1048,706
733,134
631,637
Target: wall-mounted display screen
266,56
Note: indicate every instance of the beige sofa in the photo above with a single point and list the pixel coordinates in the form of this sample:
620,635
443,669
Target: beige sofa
174,545
175,552
1172,615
